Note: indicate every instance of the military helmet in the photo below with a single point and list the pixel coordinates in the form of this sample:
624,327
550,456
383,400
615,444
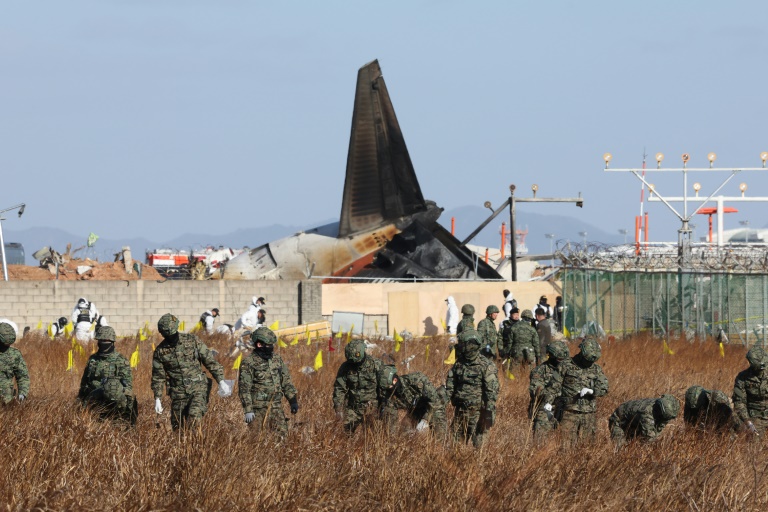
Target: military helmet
470,336
669,406
756,357
355,351
526,314
558,350
168,325
693,395
718,397
386,375
105,333
263,335
590,349
491,310
467,309
7,334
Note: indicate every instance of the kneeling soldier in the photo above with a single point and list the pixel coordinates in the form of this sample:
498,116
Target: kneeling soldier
415,394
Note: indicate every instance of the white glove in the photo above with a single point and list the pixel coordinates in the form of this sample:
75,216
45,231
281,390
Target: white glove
422,426
224,389
585,391
21,398
158,406
548,407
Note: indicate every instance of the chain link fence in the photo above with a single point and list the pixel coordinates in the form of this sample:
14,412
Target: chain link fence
730,307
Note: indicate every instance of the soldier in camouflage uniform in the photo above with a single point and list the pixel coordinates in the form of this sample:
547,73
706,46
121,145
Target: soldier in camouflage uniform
356,393
178,363
264,381
467,320
583,382
707,409
488,333
524,342
546,330
643,419
750,393
505,332
472,386
416,395
107,383
12,366
546,382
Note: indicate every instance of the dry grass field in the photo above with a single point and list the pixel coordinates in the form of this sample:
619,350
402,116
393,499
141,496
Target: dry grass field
55,456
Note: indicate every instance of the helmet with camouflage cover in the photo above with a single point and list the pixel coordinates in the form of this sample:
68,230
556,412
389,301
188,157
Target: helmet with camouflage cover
105,333
526,314
590,349
668,406
491,310
693,395
387,374
168,325
467,309
264,335
756,358
7,335
469,344
355,351
558,350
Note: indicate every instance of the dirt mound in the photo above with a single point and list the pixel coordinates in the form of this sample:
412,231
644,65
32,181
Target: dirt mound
98,272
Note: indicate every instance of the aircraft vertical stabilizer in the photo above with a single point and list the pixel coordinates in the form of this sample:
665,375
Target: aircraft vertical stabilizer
381,184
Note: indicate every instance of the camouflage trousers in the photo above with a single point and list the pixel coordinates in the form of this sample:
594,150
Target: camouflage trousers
358,415
468,425
187,411
7,394
523,355
576,425
124,410
543,424
270,418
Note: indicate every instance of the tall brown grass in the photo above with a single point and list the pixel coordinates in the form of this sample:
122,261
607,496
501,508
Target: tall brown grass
55,456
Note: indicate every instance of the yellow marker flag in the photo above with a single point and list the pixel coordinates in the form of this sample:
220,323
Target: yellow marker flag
275,325
147,334
442,321
309,337
77,347
668,350
198,326
451,357
339,334
426,354
141,335
295,340
281,344
153,347
566,333
319,360
70,362
509,374
182,326
349,336
239,360
398,339
135,358
50,331
376,326
69,328
722,350
39,325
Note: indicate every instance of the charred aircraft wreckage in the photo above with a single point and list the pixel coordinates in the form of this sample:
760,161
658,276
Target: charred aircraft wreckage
386,230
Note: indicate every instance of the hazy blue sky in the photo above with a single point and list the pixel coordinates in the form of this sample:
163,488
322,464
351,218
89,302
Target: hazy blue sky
154,118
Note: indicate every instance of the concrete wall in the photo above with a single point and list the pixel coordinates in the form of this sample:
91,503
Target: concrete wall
420,307
128,304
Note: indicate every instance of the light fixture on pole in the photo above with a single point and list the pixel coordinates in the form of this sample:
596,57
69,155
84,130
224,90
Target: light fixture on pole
743,188
696,188
2,241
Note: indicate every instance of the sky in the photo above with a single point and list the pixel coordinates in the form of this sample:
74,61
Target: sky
153,119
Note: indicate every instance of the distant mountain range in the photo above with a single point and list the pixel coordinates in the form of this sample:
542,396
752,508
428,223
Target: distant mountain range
467,219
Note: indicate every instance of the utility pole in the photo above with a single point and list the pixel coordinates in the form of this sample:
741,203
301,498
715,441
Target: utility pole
2,242
510,203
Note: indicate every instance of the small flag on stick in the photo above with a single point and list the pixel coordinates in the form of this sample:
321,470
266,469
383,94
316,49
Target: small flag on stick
239,360
135,357
451,357
319,360
668,350
722,350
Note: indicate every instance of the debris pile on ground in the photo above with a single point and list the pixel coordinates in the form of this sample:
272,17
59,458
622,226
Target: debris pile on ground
98,272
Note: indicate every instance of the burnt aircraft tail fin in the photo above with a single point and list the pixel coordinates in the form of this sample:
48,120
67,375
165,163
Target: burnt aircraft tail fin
381,184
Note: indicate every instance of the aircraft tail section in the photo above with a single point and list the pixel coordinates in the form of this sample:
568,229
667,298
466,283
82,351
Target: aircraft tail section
381,184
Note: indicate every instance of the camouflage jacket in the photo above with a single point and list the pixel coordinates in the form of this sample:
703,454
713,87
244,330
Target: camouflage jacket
546,383
636,419
716,413
356,385
102,367
750,395
546,330
415,391
505,336
263,381
180,365
467,323
577,374
524,336
473,384
489,337
12,366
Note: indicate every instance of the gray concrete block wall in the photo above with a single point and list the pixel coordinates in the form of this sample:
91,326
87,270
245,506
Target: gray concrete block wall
128,304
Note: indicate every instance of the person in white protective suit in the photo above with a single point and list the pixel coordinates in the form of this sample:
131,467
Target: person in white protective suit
207,320
452,315
84,316
250,319
509,303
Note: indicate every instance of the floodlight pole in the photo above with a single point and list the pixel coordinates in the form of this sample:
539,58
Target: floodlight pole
2,241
